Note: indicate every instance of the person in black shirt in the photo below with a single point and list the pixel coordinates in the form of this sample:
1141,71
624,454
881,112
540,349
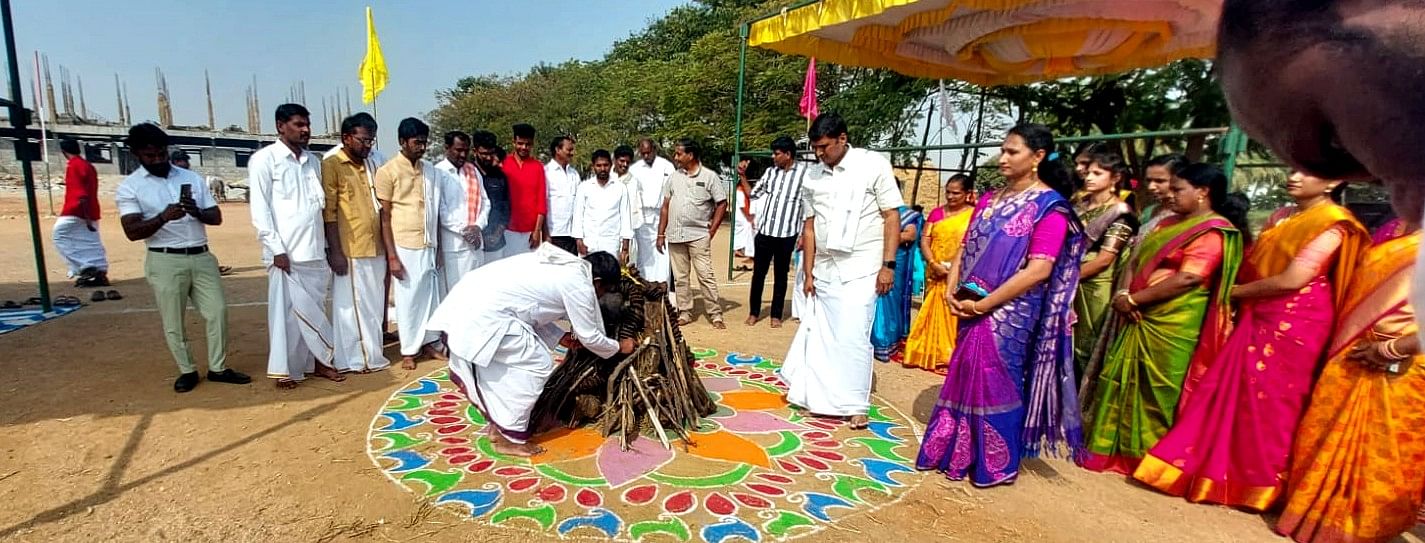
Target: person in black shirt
488,156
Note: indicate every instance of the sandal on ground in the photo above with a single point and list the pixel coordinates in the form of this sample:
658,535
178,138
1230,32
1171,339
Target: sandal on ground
114,295
287,384
10,304
66,301
225,270
33,300
98,296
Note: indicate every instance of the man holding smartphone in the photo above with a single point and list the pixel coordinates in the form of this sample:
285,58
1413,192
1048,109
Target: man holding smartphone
158,204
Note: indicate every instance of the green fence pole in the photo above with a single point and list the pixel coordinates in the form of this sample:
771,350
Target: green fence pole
1232,145
742,33
19,118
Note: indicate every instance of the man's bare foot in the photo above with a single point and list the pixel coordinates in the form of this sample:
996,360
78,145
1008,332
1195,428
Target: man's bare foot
751,320
684,321
776,323
285,384
329,373
408,362
860,422
718,324
503,445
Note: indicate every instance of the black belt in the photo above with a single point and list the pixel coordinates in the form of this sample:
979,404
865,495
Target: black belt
180,250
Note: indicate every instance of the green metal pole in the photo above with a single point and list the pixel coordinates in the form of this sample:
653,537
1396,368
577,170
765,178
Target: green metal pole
19,118
742,33
1233,143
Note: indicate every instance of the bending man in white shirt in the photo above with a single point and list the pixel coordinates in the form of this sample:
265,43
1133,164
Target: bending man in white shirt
850,233
603,216
287,201
650,176
500,323
409,191
464,207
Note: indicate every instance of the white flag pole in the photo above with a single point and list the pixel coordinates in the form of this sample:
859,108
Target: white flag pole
43,114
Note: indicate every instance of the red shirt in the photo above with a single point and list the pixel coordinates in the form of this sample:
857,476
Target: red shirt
527,197
81,181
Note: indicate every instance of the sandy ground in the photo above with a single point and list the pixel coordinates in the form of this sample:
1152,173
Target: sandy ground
98,447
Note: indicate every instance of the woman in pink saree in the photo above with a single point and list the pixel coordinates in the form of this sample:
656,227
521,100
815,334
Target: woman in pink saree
1236,420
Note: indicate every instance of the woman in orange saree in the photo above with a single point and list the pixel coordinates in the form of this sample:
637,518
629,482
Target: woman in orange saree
932,335
1358,466
1235,423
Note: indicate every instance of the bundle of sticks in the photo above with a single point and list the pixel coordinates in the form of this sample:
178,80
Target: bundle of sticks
654,389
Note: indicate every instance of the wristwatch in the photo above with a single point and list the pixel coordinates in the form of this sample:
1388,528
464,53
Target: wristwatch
889,264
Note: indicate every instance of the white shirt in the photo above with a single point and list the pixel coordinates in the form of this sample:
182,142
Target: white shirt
846,202
603,212
648,186
286,203
142,193
523,293
560,184
454,210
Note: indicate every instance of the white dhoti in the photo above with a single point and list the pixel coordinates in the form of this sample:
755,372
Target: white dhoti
416,298
799,297
745,235
358,298
506,388
299,334
611,245
80,247
652,264
516,243
828,366
454,266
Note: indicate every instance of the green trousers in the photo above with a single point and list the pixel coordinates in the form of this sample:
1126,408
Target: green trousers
175,280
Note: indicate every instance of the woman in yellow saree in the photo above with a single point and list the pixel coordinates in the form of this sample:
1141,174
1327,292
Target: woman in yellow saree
1358,466
1174,298
932,336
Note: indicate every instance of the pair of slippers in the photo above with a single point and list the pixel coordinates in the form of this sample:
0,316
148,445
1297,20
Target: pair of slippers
60,301
100,296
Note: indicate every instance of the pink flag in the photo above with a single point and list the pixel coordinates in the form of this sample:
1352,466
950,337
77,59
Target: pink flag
809,107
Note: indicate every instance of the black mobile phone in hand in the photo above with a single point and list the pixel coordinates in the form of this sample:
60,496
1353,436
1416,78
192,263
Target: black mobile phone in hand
185,193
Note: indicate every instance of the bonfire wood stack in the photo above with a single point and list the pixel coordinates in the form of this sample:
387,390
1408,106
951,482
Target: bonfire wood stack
655,389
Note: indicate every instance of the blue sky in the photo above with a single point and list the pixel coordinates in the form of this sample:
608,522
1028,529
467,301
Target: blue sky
428,45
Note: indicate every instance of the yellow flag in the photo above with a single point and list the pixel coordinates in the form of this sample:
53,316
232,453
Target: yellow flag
373,67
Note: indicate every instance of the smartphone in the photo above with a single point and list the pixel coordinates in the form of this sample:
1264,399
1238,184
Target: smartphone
970,291
185,192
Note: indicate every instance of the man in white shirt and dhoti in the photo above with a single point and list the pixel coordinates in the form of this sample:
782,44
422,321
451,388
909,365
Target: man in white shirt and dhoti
650,176
409,191
850,201
464,209
603,216
500,324
354,249
287,201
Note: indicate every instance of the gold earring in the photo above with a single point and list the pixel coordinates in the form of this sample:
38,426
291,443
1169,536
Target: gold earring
1035,169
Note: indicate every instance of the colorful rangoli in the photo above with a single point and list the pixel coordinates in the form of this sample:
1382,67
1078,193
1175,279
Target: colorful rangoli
758,469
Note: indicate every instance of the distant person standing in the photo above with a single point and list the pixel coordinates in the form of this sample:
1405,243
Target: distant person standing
528,200
623,158
355,253
497,191
154,206
650,176
561,183
693,208
603,218
287,201
778,228
464,209
76,231
409,191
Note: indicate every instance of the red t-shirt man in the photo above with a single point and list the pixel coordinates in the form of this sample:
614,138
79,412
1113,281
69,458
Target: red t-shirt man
527,194
81,189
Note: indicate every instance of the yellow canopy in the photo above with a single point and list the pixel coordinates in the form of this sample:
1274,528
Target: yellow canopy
995,42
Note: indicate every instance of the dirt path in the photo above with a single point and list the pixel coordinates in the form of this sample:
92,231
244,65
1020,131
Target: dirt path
98,448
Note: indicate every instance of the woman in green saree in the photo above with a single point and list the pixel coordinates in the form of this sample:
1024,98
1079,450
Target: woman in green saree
1173,296
1109,223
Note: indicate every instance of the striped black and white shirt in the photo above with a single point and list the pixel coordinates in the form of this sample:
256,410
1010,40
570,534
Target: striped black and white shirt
780,192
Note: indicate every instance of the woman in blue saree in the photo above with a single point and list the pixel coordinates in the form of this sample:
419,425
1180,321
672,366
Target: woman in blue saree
1010,388
892,323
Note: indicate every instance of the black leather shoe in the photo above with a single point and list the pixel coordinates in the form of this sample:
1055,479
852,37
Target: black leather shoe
186,382
229,376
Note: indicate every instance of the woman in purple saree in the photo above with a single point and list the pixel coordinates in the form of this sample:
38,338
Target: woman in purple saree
1010,387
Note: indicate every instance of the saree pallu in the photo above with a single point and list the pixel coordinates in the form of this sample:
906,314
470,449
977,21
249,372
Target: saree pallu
1009,390
1358,465
932,335
1233,434
892,323
1145,363
1091,304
